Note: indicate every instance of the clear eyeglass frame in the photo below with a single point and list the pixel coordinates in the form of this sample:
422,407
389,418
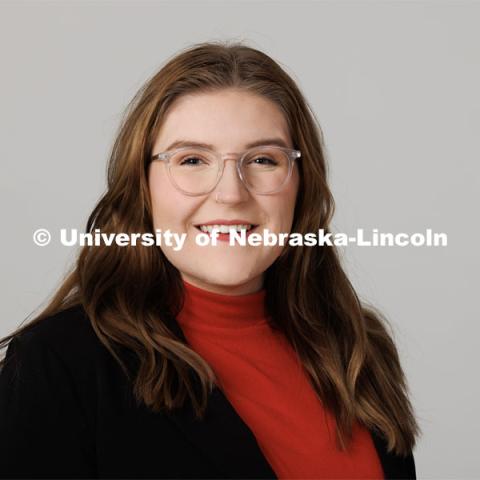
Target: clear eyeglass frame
292,155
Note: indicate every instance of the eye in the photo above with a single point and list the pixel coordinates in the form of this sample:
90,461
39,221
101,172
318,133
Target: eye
264,161
191,161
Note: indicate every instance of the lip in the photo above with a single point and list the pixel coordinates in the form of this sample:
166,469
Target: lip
222,221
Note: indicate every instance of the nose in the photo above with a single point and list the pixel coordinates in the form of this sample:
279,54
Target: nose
230,185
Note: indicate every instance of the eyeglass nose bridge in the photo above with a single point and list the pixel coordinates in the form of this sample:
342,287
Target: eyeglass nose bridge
238,162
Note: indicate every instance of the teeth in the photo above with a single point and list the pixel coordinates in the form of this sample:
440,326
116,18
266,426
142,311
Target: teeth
224,228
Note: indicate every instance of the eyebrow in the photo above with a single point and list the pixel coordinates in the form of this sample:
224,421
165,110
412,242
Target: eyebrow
263,141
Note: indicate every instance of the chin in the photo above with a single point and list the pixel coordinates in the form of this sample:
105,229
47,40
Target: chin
227,279
224,277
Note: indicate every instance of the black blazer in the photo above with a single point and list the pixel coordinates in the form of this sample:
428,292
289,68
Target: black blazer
67,410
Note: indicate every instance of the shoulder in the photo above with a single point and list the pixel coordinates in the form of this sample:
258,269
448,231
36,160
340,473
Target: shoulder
70,327
68,335
63,325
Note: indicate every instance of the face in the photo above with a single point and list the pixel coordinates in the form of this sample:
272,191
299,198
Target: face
228,120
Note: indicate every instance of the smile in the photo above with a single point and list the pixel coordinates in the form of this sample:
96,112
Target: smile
225,228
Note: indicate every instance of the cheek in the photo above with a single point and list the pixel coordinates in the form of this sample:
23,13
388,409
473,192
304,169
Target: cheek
283,208
292,193
169,207
159,200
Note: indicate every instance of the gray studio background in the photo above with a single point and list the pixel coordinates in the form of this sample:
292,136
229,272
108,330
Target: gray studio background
395,87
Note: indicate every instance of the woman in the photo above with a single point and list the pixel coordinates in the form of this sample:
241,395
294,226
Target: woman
209,361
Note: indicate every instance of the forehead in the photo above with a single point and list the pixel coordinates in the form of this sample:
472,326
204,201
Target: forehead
227,119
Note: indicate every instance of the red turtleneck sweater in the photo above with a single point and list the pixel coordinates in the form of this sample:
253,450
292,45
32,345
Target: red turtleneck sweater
259,373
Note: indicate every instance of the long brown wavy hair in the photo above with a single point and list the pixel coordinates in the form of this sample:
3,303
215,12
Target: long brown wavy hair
346,348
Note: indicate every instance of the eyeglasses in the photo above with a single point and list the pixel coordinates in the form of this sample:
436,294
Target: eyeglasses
196,170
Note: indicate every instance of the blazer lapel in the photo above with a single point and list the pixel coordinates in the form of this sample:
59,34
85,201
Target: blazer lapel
222,435
225,439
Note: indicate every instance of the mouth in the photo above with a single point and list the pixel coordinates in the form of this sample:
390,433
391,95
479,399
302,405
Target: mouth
226,229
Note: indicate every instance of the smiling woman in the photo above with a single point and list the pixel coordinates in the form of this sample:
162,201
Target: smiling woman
213,361
241,117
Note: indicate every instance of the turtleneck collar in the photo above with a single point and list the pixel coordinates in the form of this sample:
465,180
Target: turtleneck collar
203,308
